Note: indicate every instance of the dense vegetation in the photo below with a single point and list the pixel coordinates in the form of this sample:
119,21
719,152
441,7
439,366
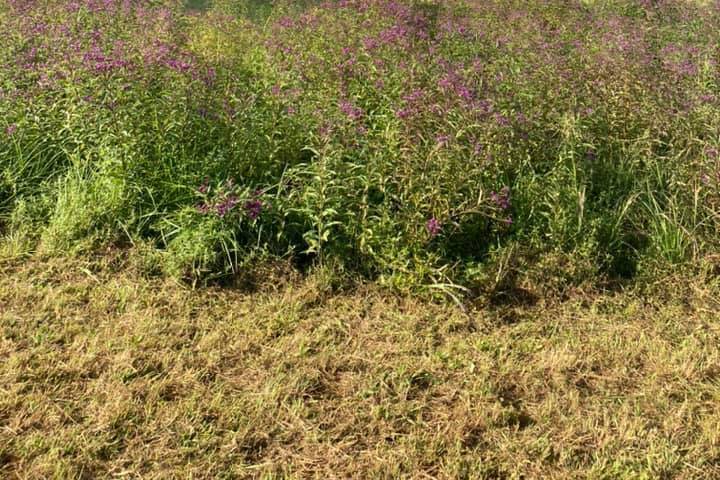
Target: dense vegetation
519,156
417,143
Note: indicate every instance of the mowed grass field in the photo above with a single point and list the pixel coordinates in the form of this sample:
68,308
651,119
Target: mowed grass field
105,372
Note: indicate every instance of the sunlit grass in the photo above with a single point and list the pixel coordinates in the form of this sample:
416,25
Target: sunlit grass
105,372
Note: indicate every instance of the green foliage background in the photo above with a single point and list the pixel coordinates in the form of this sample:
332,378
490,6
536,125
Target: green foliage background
354,124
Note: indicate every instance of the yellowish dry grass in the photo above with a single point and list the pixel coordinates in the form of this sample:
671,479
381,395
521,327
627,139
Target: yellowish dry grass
107,373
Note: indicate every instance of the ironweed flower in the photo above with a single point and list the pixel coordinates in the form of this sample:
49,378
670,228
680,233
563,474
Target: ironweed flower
286,22
253,208
433,227
352,112
226,205
501,199
403,113
370,43
502,120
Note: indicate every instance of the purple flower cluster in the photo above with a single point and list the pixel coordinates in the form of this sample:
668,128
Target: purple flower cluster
442,140
253,208
453,83
501,120
54,43
393,35
352,111
501,199
226,204
413,104
433,227
226,198
101,63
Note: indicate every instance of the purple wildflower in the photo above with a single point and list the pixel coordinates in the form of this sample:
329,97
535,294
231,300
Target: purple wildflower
286,22
501,199
226,205
442,139
414,96
350,110
178,65
402,113
445,82
11,129
485,107
253,208
502,120
433,227
370,43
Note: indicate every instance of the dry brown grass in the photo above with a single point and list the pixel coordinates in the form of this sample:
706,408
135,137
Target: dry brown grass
106,373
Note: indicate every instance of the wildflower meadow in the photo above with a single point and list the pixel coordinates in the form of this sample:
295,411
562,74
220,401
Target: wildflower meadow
415,143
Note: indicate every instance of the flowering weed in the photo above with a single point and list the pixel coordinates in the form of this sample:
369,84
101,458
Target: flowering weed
369,126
